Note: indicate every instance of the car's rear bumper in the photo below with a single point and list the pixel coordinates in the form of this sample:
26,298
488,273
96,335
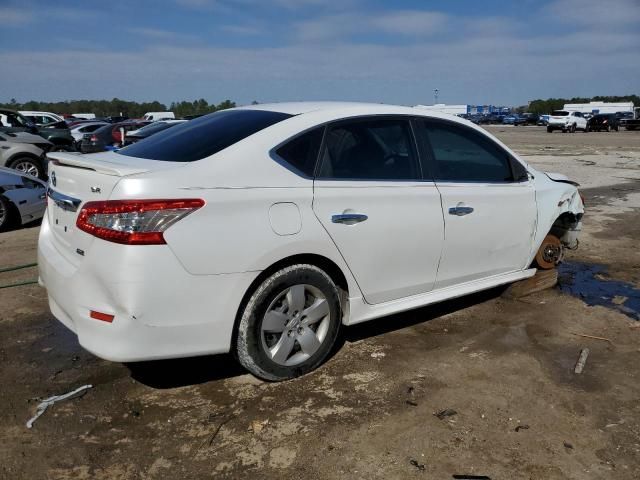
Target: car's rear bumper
159,309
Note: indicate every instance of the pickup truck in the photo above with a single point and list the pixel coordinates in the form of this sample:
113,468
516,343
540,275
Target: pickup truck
631,123
11,121
566,121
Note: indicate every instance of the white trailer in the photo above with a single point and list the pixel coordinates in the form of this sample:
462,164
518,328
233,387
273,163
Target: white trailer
599,107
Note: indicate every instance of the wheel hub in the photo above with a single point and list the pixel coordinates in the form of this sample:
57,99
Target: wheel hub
552,253
295,325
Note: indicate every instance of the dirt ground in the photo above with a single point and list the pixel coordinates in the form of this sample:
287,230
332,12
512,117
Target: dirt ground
504,366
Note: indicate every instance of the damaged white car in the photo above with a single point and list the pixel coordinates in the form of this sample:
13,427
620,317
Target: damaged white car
261,230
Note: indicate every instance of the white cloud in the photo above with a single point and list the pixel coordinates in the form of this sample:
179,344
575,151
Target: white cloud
406,23
14,17
244,30
597,13
409,22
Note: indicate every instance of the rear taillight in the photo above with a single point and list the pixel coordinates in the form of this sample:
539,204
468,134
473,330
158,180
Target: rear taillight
134,222
93,138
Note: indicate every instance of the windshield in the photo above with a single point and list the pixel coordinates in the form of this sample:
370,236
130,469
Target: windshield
560,113
204,136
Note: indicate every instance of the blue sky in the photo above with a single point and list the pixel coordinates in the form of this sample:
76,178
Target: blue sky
490,51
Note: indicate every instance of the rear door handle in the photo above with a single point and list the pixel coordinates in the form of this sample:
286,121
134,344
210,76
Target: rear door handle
460,211
349,218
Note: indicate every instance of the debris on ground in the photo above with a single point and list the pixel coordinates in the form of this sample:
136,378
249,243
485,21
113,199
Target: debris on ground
410,402
419,466
542,280
447,412
521,427
378,355
42,407
471,477
567,445
258,425
592,336
582,359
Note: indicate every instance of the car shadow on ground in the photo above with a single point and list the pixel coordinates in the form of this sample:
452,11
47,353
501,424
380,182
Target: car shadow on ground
409,318
164,374
182,372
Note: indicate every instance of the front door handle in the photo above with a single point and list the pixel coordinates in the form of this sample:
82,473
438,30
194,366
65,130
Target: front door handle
348,218
460,210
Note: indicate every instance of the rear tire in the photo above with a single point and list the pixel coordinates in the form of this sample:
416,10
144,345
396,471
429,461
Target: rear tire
290,323
5,214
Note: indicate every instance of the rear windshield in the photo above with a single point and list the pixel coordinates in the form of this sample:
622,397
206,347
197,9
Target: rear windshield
203,136
560,113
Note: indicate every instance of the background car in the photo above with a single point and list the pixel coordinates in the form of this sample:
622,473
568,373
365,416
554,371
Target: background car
78,130
108,136
605,122
22,198
134,136
514,119
44,119
28,158
13,121
567,121
543,120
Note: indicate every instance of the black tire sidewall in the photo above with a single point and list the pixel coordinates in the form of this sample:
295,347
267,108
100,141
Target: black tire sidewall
278,282
4,224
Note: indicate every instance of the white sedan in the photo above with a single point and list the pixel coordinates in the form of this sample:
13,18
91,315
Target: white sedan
261,230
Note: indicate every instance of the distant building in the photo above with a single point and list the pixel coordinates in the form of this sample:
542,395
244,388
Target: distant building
599,107
465,109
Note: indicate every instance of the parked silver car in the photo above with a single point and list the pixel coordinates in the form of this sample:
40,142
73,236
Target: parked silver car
22,198
18,152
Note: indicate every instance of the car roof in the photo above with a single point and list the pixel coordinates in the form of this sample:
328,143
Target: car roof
299,108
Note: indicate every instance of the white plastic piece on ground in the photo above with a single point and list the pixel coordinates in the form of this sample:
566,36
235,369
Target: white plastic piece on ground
51,400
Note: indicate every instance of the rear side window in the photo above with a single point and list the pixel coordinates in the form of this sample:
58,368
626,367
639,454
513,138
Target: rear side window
462,155
204,136
302,152
370,150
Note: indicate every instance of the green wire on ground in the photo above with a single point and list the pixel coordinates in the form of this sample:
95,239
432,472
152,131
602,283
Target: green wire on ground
18,267
19,284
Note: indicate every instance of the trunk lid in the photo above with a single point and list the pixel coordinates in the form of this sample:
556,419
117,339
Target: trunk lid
75,179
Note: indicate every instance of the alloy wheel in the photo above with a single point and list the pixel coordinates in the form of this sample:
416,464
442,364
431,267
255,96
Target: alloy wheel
27,167
295,324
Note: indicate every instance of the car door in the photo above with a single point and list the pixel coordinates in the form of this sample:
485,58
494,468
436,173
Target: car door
488,203
384,218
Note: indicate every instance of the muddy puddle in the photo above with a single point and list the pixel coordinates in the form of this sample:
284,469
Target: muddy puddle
592,284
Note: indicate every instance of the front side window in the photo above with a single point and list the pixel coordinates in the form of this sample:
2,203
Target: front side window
460,154
377,149
302,152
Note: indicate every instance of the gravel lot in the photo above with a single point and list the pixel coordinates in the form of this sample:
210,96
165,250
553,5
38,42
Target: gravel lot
504,366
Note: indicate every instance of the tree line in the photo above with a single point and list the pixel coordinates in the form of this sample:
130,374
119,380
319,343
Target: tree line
543,107
106,108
